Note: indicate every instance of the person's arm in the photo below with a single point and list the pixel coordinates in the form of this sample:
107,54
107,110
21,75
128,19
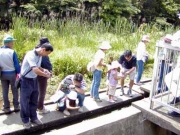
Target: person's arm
101,63
16,63
38,71
131,70
70,107
116,77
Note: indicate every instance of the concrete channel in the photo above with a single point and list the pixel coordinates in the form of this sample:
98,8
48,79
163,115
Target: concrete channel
128,116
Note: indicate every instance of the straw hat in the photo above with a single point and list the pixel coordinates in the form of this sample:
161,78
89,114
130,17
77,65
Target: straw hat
105,45
72,95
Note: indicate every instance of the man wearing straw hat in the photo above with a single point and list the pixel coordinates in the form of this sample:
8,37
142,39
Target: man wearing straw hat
97,74
10,67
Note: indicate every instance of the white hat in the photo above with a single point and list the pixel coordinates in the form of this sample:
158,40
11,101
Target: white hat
169,36
72,95
145,38
114,64
105,45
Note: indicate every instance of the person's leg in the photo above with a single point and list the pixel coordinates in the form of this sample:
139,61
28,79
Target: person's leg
140,70
81,99
131,77
25,93
33,102
42,85
97,80
14,92
161,76
5,91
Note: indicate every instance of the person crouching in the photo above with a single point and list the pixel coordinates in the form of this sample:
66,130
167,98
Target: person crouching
68,103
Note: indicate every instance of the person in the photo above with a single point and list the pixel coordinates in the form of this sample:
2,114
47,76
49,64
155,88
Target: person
42,81
97,74
113,81
165,66
77,83
127,63
172,82
10,68
142,54
68,103
108,73
29,84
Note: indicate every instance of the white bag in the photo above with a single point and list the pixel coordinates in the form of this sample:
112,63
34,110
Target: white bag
91,67
57,96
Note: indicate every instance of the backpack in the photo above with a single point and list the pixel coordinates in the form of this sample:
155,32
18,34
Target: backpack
91,66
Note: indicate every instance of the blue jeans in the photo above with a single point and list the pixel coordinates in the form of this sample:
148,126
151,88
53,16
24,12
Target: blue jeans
28,99
168,68
97,74
81,99
140,69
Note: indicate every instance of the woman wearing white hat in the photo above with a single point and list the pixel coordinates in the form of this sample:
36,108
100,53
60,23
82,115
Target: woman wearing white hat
142,56
97,74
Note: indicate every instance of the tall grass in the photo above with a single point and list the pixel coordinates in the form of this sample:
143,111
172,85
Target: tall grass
75,42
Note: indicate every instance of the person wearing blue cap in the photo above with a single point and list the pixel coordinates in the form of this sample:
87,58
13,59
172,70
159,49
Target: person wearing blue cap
10,68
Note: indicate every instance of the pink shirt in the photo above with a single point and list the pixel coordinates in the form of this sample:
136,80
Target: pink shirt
112,81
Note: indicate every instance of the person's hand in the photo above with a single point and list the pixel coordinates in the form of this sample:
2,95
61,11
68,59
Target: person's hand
127,73
48,74
71,86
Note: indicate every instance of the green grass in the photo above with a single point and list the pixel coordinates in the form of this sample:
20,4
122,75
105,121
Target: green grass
76,42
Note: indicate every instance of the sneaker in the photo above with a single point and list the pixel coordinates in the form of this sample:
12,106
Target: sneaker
37,121
121,92
66,112
138,83
81,110
44,111
16,109
27,125
173,114
115,98
97,100
6,110
129,93
112,101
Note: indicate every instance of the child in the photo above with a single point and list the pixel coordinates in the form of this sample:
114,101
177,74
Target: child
107,81
113,81
68,103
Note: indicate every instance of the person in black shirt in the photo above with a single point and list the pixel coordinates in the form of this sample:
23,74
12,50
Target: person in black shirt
128,67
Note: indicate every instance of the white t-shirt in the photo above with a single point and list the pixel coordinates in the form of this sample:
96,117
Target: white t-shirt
141,51
98,56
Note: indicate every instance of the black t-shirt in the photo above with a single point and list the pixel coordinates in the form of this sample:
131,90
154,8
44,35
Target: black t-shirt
127,64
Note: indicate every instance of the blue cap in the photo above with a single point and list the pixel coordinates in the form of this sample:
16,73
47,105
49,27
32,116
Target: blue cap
8,39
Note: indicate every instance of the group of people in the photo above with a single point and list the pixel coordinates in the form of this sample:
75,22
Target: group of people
127,64
36,69
33,72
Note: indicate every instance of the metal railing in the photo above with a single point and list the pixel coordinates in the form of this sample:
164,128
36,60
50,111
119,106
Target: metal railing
165,89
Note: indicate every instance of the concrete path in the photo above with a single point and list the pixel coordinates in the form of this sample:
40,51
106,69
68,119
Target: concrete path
11,124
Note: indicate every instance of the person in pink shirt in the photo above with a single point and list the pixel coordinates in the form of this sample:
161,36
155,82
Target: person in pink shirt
113,80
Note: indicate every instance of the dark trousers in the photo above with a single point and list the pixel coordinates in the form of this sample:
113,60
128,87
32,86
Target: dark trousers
161,76
28,99
42,85
6,81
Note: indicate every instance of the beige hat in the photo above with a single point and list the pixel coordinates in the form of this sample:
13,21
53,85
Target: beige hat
114,64
72,95
145,38
105,45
